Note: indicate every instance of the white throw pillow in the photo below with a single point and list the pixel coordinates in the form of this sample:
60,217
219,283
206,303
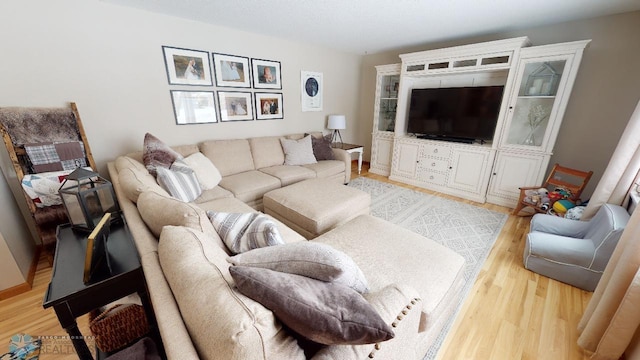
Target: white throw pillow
180,181
298,152
245,231
207,173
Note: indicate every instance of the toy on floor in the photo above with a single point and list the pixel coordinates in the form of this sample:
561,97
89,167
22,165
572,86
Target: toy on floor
537,197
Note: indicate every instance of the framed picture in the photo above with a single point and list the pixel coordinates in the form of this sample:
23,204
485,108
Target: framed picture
193,107
235,106
269,106
187,67
231,70
266,74
311,92
96,260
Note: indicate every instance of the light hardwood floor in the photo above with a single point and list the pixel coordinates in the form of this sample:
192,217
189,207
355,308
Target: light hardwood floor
510,313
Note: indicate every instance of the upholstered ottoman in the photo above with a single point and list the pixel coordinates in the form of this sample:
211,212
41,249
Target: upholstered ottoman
315,206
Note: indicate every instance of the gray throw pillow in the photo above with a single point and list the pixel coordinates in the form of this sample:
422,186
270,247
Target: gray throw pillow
323,312
155,154
245,231
180,181
314,260
322,147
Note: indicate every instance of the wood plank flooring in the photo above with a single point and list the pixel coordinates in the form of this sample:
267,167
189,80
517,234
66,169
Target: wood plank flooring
510,313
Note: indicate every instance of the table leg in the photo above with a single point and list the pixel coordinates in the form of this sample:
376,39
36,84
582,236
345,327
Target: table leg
78,342
359,162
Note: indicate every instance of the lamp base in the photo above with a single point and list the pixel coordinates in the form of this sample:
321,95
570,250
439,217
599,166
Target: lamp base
335,136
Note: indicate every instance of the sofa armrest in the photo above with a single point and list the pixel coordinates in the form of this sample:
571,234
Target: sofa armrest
343,155
398,305
559,226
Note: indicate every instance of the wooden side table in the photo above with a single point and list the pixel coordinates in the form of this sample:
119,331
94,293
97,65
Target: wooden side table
70,297
353,148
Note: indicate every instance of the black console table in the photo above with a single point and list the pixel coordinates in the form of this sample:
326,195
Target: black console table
70,297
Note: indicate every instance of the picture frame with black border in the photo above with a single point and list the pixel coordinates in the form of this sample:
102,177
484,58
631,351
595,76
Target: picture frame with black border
235,106
187,66
193,107
267,74
269,106
232,70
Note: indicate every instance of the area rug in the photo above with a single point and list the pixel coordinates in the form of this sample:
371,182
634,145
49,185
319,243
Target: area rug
466,229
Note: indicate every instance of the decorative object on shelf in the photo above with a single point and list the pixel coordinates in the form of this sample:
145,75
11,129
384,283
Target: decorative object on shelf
232,70
193,107
542,81
87,197
235,106
537,114
266,74
269,106
336,123
311,94
187,67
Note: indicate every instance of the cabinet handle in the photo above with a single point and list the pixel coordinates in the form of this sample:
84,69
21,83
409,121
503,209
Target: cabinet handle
450,167
494,174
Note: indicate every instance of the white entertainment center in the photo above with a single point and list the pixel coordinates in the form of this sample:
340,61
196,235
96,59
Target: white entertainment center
537,83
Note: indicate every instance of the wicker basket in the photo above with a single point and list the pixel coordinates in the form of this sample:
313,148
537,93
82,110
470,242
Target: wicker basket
118,326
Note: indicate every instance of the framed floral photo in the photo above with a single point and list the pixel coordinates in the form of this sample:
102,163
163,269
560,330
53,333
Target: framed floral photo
193,107
231,70
235,106
187,67
266,74
269,106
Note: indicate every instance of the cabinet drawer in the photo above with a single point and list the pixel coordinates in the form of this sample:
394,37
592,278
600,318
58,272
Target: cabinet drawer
433,177
437,151
434,164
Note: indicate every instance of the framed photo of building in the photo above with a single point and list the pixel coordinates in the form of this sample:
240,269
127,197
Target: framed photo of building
187,67
232,70
311,92
235,106
269,106
266,74
193,107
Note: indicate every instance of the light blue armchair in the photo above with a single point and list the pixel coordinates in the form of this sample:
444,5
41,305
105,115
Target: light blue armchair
574,252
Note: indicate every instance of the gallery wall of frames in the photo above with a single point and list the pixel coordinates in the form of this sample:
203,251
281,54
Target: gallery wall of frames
238,88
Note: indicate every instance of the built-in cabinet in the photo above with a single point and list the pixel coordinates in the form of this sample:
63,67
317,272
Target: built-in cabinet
537,80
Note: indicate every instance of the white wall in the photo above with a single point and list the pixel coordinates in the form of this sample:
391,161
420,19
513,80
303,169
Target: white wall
108,59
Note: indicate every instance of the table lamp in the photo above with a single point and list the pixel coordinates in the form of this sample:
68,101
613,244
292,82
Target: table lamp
336,123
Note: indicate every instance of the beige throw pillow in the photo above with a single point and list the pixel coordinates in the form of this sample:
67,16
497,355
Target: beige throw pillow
314,260
298,152
208,175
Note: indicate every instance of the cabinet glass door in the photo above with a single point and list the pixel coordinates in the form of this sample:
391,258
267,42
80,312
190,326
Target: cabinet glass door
533,112
388,102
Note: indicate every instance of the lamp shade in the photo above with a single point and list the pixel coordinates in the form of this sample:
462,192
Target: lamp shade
337,122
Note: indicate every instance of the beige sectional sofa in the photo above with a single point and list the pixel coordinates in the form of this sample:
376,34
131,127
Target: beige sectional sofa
414,282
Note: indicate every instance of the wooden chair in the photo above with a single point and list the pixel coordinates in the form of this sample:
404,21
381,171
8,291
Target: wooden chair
560,177
20,126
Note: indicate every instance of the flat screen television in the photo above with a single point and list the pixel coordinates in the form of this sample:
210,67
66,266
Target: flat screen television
464,114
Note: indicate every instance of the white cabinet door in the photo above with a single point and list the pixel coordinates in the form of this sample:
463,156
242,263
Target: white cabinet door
381,156
407,160
469,169
514,170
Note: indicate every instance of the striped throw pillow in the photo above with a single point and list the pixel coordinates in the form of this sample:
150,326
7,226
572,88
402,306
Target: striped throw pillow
180,181
245,231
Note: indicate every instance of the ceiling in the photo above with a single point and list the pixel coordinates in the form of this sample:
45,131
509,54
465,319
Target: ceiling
372,26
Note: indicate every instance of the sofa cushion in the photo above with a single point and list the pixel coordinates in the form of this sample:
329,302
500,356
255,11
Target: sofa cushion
157,154
180,181
266,151
134,181
213,194
126,162
245,231
222,323
207,174
327,168
323,312
289,174
322,147
298,152
157,211
250,185
314,260
229,156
